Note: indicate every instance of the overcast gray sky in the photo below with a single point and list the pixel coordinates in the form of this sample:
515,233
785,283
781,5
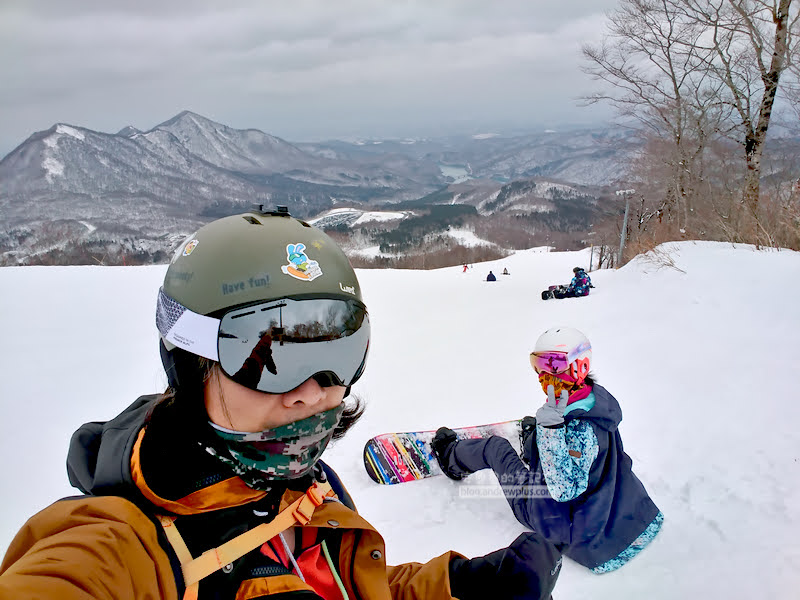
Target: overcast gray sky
300,69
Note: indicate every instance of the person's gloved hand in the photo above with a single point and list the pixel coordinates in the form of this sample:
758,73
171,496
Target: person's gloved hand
528,428
262,352
552,413
443,445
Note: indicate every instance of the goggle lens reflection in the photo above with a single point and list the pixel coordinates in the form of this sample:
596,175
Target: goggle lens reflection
276,346
550,362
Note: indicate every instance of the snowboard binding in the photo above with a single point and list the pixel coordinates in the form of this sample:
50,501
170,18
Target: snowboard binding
551,292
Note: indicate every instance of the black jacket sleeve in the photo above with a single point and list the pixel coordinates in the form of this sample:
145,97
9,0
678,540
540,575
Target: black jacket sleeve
528,569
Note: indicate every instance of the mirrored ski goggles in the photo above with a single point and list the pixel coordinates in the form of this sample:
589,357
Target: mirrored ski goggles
550,362
275,346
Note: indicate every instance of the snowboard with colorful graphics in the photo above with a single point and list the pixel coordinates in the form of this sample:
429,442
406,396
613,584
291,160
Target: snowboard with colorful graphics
392,458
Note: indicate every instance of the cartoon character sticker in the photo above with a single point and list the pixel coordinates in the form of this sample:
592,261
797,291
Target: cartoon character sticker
189,248
300,266
185,249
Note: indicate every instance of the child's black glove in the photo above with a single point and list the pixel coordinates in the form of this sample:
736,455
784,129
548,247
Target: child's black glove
528,428
443,445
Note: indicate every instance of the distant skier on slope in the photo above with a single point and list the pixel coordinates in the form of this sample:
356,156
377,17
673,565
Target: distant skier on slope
580,492
579,286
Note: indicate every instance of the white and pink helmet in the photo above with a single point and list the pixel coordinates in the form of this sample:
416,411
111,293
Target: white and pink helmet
562,349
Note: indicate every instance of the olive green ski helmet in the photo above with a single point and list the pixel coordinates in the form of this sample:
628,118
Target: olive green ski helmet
257,256
237,266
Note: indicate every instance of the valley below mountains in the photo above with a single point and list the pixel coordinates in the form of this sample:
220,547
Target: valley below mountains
70,195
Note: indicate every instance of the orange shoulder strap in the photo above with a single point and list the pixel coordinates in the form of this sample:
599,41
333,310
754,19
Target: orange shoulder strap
298,512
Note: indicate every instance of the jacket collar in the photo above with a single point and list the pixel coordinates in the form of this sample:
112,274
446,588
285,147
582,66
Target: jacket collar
224,494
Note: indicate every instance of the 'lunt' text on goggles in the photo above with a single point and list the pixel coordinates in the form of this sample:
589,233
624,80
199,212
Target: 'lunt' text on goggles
275,346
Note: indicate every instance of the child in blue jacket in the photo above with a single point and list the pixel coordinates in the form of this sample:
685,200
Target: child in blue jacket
579,286
579,492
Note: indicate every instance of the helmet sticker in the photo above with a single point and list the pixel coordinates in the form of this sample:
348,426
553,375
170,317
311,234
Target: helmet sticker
300,266
185,248
189,248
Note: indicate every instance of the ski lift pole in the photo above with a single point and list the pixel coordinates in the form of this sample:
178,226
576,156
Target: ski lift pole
623,235
624,231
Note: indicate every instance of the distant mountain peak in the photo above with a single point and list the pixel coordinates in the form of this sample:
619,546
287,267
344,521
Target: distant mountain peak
187,116
60,129
129,131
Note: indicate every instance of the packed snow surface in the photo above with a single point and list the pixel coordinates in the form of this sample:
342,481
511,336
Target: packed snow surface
698,342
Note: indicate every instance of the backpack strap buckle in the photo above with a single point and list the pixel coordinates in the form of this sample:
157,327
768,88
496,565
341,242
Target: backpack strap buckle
314,497
195,569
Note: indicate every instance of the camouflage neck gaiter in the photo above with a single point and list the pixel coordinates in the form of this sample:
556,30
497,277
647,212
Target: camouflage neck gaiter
285,452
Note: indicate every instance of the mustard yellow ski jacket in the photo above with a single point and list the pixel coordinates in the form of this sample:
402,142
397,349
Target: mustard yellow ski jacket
109,543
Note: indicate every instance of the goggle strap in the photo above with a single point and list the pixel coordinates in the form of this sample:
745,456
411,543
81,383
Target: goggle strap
579,369
185,329
580,349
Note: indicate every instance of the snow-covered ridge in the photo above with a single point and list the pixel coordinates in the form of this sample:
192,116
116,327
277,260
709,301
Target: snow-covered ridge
70,131
467,238
354,216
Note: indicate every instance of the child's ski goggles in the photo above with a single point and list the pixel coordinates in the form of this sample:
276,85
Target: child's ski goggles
550,362
275,346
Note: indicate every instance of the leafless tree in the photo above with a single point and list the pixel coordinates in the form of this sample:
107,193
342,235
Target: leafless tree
653,62
749,46
690,71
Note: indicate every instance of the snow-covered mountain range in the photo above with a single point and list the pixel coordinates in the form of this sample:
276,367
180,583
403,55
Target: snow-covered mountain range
69,187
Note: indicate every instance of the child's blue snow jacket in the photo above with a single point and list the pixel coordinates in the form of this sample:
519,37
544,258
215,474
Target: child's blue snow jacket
579,286
580,491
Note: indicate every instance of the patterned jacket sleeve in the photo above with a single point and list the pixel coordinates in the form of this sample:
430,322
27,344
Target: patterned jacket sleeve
567,454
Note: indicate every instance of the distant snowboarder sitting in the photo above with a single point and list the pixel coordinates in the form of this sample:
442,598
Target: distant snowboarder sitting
579,286
580,491
491,277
